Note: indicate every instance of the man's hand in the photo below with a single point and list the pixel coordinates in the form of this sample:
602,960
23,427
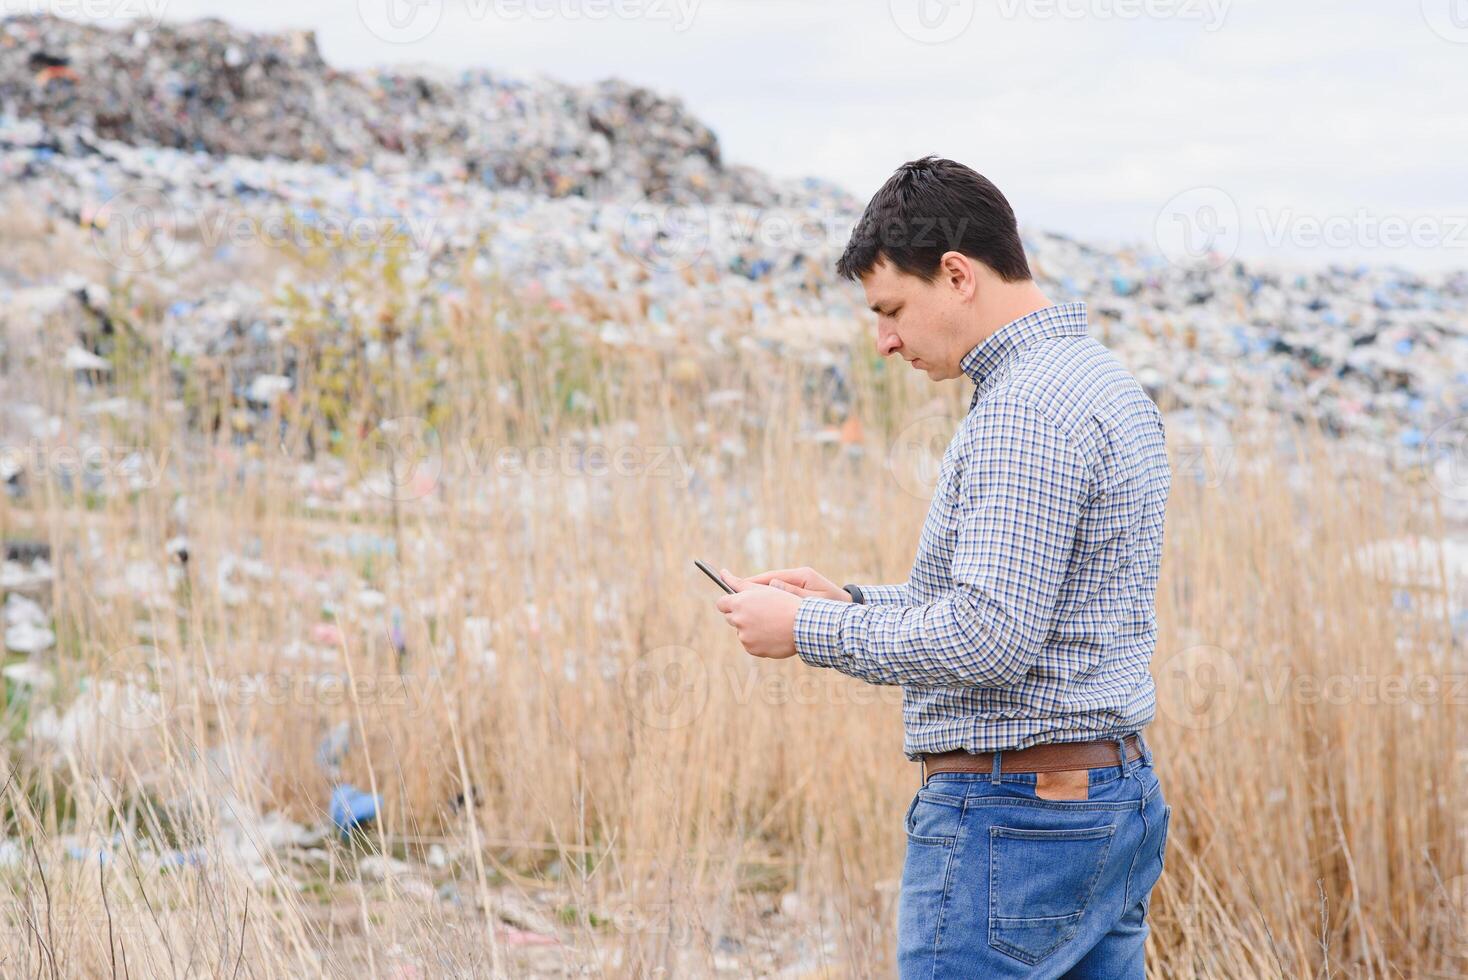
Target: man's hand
762,615
802,582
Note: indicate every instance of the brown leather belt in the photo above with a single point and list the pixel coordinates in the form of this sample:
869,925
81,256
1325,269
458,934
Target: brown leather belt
1049,757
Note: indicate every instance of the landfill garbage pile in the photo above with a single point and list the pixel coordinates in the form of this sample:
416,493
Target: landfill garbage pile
204,86
1378,353
1374,352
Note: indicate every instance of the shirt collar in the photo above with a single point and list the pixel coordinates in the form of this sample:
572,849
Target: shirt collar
994,351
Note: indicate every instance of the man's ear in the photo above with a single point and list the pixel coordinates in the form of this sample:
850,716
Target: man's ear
960,273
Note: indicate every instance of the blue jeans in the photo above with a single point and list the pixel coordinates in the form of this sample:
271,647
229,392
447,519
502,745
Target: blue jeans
1000,883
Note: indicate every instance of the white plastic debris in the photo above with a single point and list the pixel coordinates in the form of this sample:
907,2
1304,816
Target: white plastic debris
27,626
80,359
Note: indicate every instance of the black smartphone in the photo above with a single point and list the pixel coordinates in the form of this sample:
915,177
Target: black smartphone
703,567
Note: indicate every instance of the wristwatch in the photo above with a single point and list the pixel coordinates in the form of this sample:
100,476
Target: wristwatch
855,591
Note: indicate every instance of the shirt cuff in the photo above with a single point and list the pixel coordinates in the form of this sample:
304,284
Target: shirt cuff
818,630
880,595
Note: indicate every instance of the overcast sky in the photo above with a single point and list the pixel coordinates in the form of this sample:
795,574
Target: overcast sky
1301,130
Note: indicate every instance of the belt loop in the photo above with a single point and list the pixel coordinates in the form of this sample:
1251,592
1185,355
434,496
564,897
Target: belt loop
995,777
1126,765
1146,749
924,760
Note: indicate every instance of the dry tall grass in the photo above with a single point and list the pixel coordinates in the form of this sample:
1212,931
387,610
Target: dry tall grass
571,720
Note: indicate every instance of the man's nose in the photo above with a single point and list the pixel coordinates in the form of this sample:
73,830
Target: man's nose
887,342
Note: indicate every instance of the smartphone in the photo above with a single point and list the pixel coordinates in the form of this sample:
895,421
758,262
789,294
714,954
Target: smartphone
703,567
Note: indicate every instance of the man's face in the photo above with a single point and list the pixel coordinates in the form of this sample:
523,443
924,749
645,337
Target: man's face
915,319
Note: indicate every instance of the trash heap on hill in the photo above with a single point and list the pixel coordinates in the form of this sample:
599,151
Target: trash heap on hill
204,86
170,152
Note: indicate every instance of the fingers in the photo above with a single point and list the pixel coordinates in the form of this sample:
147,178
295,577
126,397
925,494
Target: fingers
795,576
735,582
793,589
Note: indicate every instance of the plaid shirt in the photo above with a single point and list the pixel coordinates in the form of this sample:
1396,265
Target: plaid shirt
1028,614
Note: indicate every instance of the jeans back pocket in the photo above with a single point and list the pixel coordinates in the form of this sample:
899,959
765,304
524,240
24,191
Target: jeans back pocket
1040,883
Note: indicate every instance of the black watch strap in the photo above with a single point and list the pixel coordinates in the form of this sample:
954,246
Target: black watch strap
855,591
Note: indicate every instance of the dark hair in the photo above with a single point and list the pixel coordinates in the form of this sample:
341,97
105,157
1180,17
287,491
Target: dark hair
931,206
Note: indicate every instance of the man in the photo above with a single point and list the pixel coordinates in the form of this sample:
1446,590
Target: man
1023,634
